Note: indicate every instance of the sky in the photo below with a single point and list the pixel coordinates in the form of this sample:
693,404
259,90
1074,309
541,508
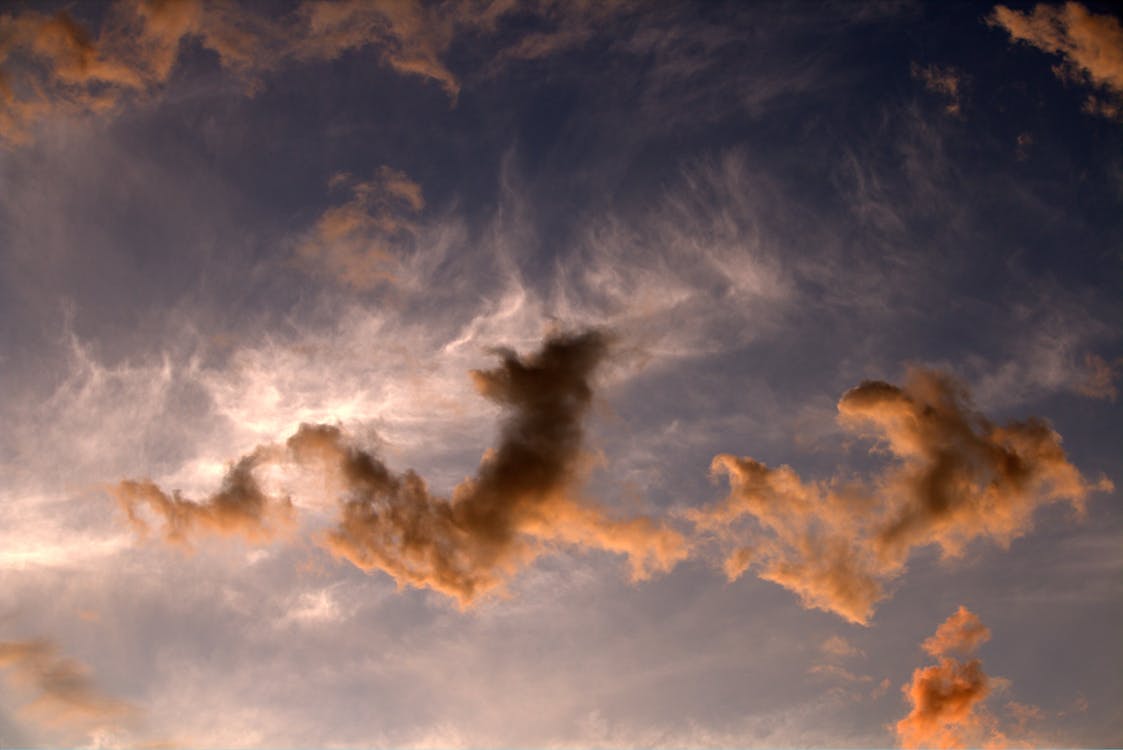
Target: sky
542,373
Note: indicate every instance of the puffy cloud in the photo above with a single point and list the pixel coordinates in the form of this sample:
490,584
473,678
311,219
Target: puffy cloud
1090,44
359,242
946,697
963,632
64,696
959,476
955,477
522,498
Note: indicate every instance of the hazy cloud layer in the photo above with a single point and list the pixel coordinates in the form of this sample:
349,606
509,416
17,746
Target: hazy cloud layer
954,476
62,696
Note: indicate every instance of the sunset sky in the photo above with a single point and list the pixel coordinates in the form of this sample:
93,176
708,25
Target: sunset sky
561,373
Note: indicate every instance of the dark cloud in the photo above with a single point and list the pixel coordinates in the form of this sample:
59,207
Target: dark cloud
240,507
523,498
958,476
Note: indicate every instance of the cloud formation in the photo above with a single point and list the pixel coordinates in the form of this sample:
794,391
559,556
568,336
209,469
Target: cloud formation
358,242
954,477
943,80
523,497
1091,46
946,697
55,65
240,507
64,696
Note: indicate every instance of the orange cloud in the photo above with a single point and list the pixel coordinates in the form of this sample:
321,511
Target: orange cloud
240,507
959,476
803,536
955,477
838,647
946,697
946,81
1091,45
522,499
360,241
412,37
963,632
51,65
64,696
1099,377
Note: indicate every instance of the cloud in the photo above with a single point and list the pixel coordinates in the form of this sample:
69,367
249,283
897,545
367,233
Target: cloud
1100,376
963,632
521,499
411,37
64,696
943,80
53,65
804,537
959,476
239,507
1091,45
695,276
946,697
954,477
360,243
838,647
